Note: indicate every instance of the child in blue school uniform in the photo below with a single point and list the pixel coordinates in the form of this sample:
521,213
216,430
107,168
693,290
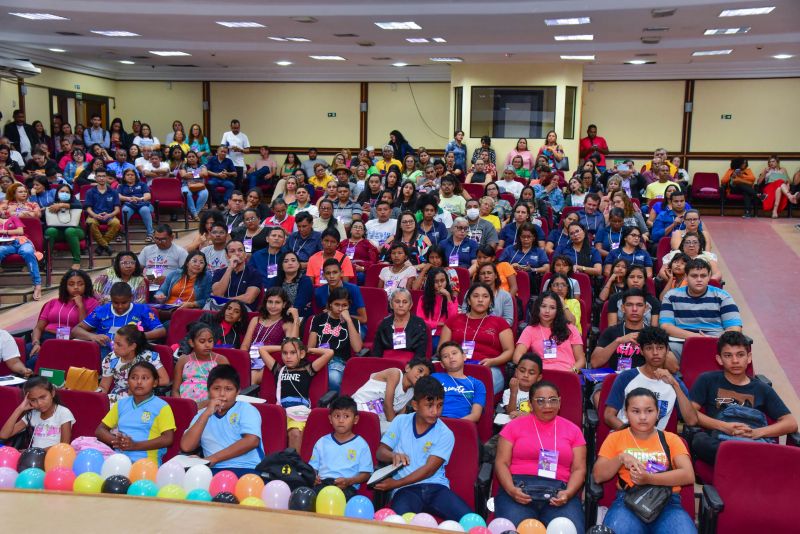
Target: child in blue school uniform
464,396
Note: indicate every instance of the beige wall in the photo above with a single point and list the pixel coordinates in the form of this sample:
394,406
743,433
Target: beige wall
61,79
635,116
559,75
9,99
158,104
37,106
392,107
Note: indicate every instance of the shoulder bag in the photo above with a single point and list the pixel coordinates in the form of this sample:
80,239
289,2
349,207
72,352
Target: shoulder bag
63,218
648,501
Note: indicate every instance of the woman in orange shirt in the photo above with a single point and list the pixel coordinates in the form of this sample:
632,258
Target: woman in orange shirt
740,179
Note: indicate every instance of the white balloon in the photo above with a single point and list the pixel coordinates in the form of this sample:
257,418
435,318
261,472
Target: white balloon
197,477
116,464
561,525
394,519
451,525
170,473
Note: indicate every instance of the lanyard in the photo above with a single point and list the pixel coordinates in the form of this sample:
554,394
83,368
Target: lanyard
185,280
269,331
555,435
466,327
611,238
524,255
302,245
593,229
60,309
238,285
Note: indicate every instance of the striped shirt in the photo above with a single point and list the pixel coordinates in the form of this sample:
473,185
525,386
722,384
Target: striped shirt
713,312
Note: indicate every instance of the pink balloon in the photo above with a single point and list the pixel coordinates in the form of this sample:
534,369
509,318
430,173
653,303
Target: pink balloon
224,481
7,477
424,520
9,456
479,530
276,495
500,525
383,513
59,479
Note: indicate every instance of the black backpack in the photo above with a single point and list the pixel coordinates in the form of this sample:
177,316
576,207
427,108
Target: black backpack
287,466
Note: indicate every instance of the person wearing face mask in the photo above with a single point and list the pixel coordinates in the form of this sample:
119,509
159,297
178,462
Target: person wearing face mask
72,235
480,230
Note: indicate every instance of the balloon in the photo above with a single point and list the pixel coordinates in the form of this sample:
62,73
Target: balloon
454,526
302,499
276,495
7,477
424,520
331,501
59,455
170,473
249,485
88,483
561,525
255,502
197,477
33,457
143,469
116,484
394,519
171,491
32,478
198,494
383,513
471,520
226,497
59,479
359,507
222,482
143,488
531,526
116,464
479,530
9,457
408,516
88,461
499,525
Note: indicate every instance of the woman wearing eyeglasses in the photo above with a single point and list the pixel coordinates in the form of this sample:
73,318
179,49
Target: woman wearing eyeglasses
630,251
541,463
251,233
126,268
460,250
691,223
694,246
587,258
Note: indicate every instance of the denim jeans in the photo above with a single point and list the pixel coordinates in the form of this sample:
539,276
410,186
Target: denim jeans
214,183
28,254
257,177
195,205
335,372
515,512
433,499
145,211
672,520
498,380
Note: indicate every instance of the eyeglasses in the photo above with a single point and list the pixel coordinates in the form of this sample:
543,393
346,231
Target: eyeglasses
635,235
408,221
127,263
552,401
251,219
694,219
461,228
161,239
692,242
575,232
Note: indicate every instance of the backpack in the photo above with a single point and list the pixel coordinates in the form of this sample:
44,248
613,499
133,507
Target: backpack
287,466
736,413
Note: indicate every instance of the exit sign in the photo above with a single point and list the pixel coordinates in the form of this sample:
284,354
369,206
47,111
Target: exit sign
331,114
726,117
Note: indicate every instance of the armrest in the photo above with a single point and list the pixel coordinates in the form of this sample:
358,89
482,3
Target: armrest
592,418
764,378
327,398
362,353
483,486
163,391
250,391
793,439
711,499
594,491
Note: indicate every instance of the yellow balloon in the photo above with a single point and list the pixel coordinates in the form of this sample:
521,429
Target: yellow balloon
331,501
254,502
88,483
172,491
531,526
408,516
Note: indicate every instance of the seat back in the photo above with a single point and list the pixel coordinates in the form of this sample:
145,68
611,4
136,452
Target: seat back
462,469
508,197
484,374
416,296
165,354
318,425
179,324
88,407
664,247
34,232
700,356
372,275
273,427
183,410
569,386
523,288
240,360
604,317
474,190
65,353
358,370
464,282
166,190
376,303
10,397
584,283
705,183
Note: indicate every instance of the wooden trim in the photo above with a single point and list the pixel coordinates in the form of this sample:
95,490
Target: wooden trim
20,95
207,108
705,155
686,128
363,115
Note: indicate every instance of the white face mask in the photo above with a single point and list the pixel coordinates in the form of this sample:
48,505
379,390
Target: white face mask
473,213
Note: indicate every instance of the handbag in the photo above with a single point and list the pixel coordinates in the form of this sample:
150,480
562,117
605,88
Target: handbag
563,165
81,379
542,489
63,218
647,501
287,466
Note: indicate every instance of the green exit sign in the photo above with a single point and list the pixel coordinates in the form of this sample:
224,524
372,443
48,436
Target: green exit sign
331,114
726,117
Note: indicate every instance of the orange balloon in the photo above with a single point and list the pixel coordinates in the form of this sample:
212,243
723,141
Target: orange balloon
531,526
143,469
249,485
59,455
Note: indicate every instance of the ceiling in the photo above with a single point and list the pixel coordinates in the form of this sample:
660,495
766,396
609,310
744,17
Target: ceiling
478,31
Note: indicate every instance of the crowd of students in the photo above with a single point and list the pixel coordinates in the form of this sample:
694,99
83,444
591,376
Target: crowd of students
512,279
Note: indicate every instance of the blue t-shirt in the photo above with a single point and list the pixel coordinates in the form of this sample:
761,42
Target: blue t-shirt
467,251
216,166
136,190
558,238
142,422
239,282
223,431
265,264
566,249
608,239
437,233
508,234
103,320
460,394
356,299
101,202
535,257
593,223
303,247
639,257
437,441
332,459
116,169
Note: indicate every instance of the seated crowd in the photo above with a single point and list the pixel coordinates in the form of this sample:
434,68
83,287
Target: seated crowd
480,286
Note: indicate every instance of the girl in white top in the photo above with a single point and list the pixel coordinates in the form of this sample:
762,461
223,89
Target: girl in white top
50,422
387,392
400,273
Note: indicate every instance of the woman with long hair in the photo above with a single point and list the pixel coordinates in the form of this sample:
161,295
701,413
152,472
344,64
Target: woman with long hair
187,287
125,268
276,320
438,302
292,279
586,257
198,143
550,335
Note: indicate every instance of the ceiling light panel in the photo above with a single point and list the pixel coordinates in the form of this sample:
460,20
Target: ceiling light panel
439,40
328,58
417,40
447,59
169,53
726,31
408,25
39,16
283,63
115,33
747,12
241,24
578,58
568,22
127,62
574,37
712,53
783,56
59,50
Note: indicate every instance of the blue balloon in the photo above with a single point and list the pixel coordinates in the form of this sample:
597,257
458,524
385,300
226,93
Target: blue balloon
471,520
199,494
31,478
359,507
88,461
143,488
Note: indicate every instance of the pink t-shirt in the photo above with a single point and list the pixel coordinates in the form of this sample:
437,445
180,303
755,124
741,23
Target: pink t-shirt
58,313
486,334
533,338
560,433
433,322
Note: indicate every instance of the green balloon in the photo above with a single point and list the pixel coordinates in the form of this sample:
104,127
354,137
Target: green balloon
172,491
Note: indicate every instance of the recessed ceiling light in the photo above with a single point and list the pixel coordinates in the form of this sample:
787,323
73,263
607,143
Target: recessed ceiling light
447,59
568,22
439,40
127,62
240,24
277,38
399,64
726,31
712,53
783,56
574,37
579,58
115,33
59,50
417,40
328,58
283,63
166,53
747,11
38,16
298,39
637,62
409,25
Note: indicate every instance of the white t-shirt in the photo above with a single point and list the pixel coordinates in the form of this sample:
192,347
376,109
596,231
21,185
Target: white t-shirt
8,347
230,139
146,141
148,167
513,187
47,432
523,401
392,281
378,232
24,142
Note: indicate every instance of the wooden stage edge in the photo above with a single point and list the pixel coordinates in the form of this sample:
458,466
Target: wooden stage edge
68,513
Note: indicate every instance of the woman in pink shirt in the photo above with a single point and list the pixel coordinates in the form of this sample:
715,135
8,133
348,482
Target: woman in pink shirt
438,303
536,452
558,343
523,152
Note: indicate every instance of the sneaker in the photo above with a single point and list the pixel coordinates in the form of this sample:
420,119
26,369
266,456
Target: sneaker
148,238
108,251
98,250
119,238
173,217
762,197
747,215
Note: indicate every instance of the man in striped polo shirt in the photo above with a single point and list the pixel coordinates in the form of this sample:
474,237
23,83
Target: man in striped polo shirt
697,310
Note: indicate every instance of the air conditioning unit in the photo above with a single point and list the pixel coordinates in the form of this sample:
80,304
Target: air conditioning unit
17,68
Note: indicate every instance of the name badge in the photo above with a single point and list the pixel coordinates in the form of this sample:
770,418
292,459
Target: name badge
548,463
375,406
254,350
351,251
322,279
469,349
248,245
230,228
550,349
324,345
158,271
388,284
399,340
454,260
62,332
654,467
614,246
624,363
272,270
